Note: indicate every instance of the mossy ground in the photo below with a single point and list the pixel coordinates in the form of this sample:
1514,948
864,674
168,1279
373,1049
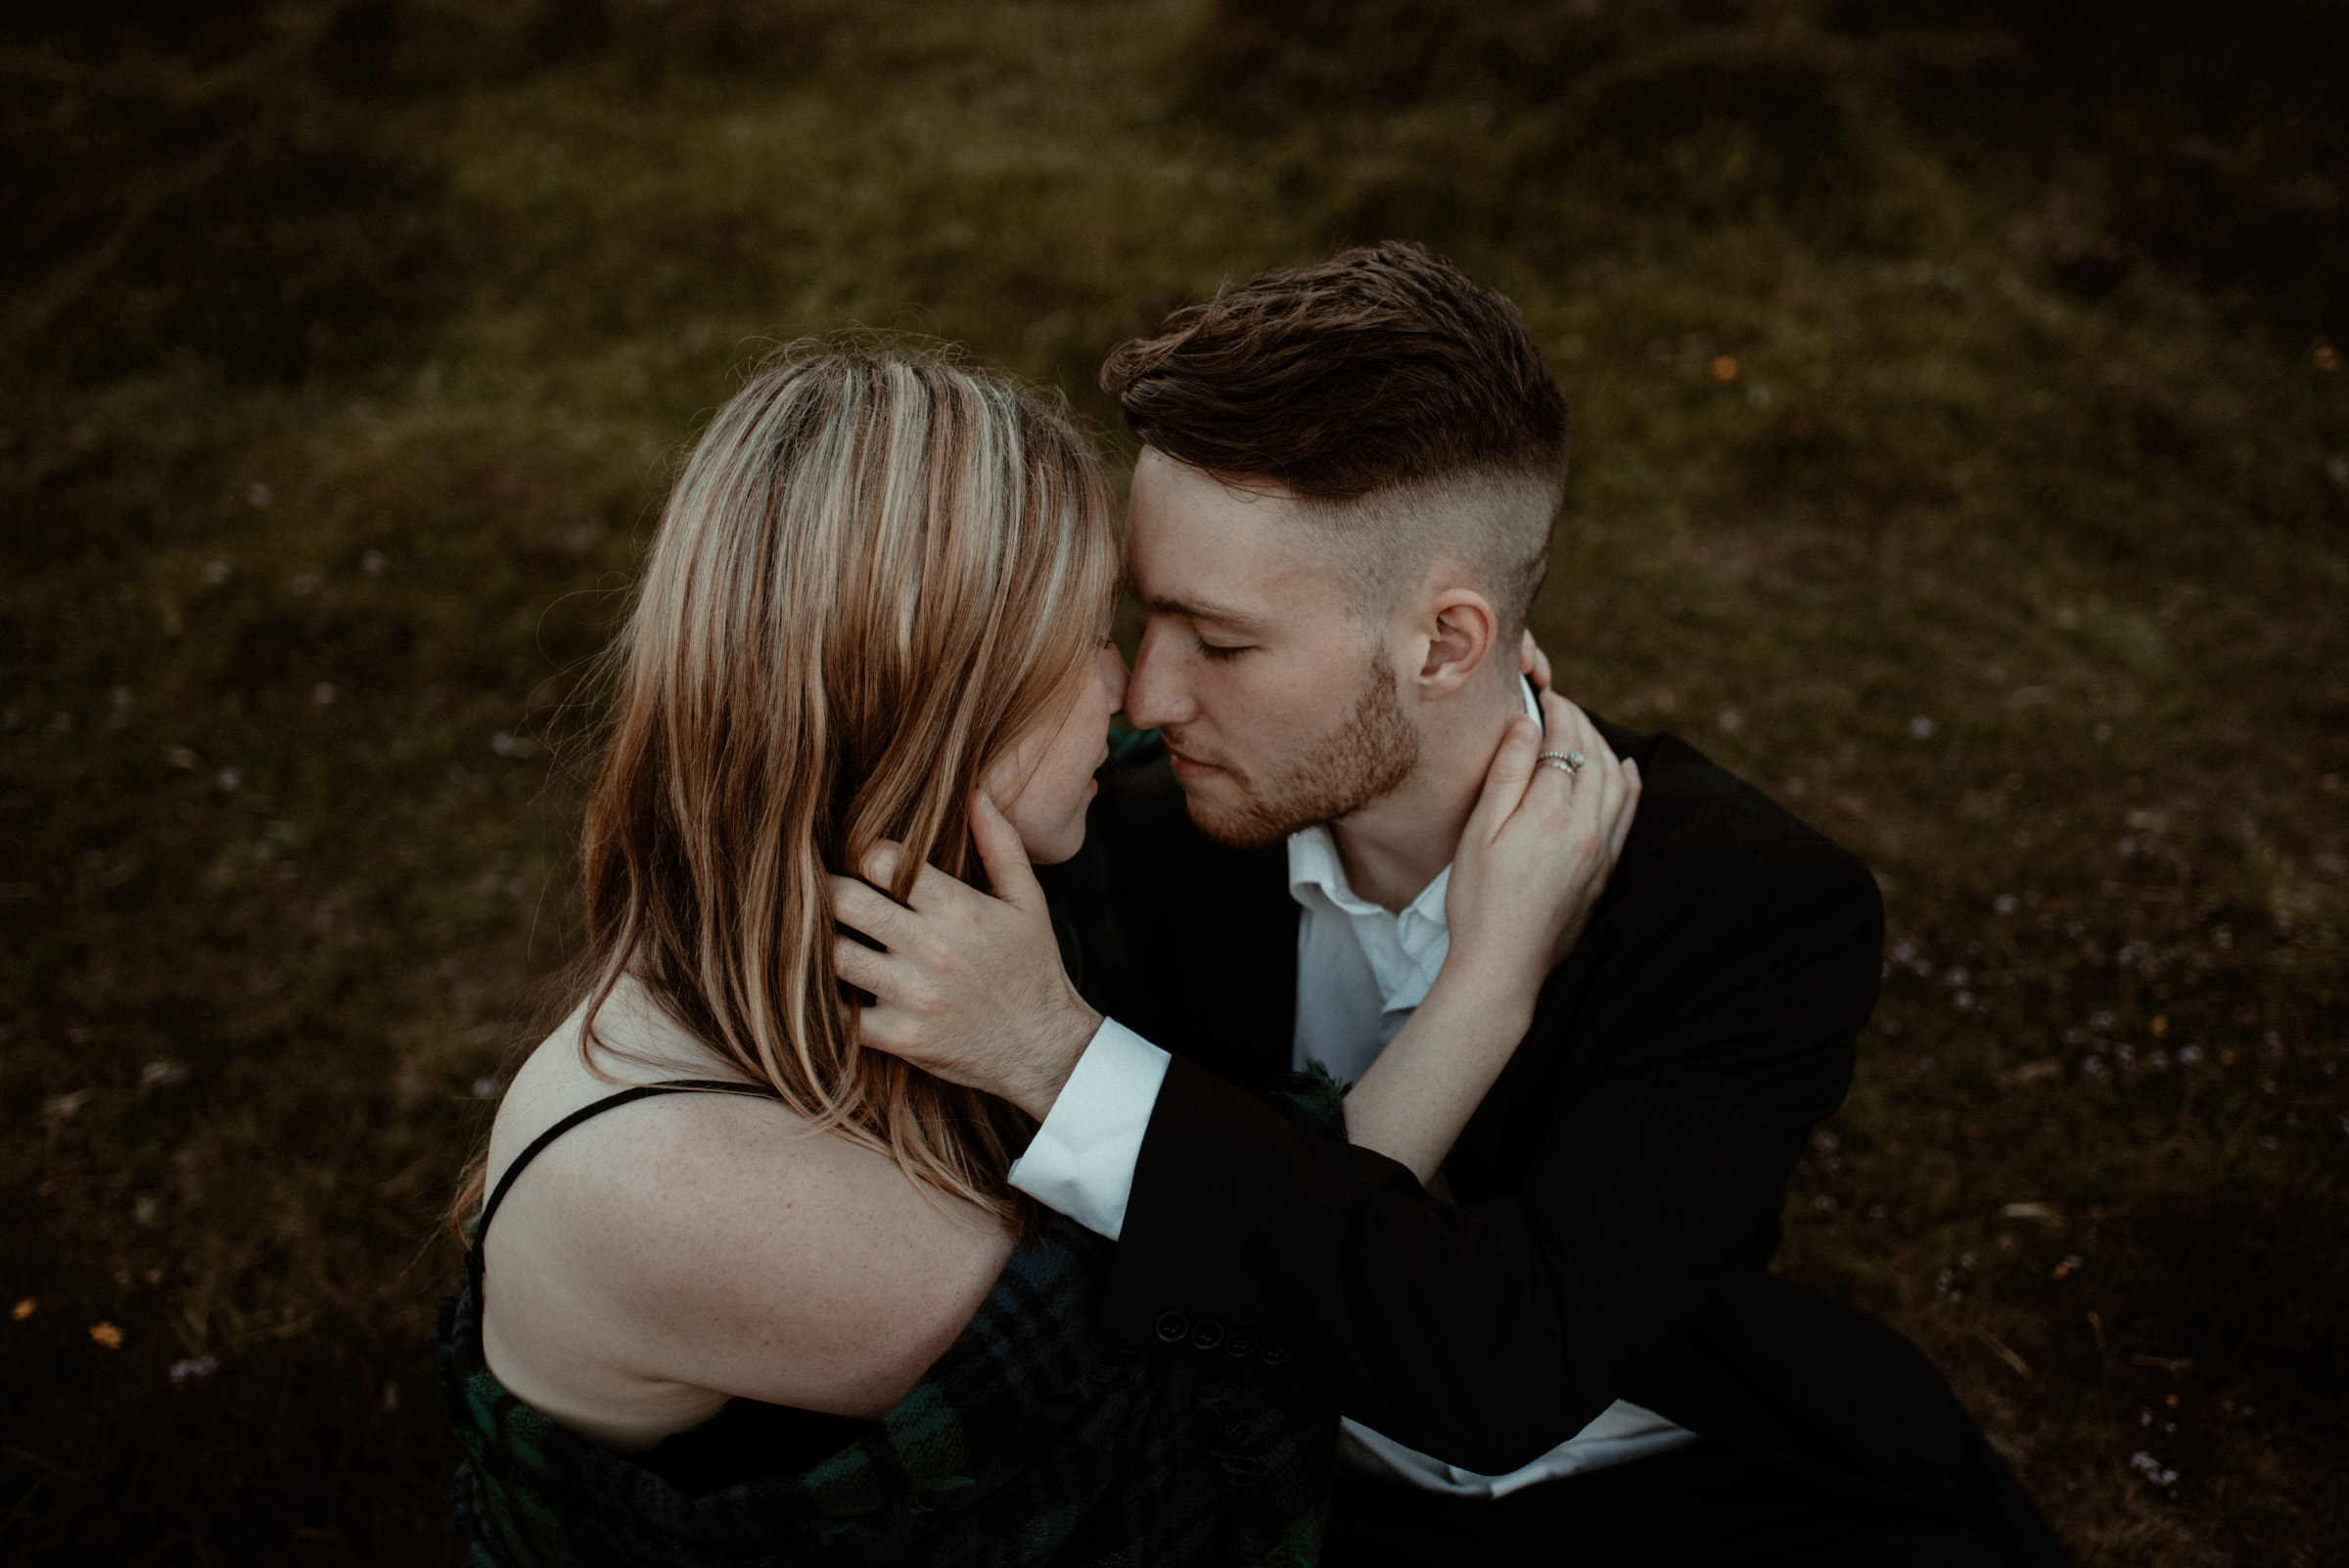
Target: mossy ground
1962,456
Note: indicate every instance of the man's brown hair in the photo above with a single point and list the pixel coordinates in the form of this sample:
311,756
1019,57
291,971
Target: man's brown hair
1379,367
1402,404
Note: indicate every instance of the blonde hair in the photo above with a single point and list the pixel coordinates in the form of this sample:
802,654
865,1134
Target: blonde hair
876,571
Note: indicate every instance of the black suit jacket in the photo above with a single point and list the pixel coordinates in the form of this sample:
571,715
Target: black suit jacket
1617,1192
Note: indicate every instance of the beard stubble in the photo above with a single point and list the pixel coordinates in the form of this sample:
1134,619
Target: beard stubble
1367,754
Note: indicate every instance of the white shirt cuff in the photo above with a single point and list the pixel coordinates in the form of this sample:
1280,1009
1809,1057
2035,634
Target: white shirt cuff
1082,1160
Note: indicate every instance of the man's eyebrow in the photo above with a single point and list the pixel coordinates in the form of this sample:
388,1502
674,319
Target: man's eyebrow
1204,610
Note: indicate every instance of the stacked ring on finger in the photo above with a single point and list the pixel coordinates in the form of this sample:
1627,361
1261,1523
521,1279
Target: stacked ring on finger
1570,762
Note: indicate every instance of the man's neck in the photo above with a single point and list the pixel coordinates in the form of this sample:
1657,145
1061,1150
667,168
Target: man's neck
1396,845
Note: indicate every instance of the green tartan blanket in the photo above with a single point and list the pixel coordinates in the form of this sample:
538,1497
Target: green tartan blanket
1031,1442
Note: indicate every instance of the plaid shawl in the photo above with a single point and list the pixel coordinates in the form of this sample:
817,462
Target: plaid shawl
1031,1442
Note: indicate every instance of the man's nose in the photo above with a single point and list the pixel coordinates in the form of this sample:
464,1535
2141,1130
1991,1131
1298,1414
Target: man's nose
1154,694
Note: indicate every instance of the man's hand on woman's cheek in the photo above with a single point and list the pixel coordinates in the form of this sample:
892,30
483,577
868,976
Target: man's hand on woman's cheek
966,984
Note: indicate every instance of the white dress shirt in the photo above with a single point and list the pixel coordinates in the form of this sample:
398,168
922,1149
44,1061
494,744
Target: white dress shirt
1361,970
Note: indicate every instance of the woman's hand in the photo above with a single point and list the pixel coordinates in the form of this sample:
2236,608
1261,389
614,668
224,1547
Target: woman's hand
1531,862
1539,847
971,986
1532,663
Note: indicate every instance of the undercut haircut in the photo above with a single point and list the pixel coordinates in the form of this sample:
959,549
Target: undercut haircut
1404,407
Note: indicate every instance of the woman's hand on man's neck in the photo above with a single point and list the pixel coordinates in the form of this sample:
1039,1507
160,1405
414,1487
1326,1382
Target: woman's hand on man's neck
1396,845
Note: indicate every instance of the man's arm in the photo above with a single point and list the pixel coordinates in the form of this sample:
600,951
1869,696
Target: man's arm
1709,1035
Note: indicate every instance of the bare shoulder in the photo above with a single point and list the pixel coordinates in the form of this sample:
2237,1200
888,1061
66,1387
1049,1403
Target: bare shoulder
716,1242
763,1259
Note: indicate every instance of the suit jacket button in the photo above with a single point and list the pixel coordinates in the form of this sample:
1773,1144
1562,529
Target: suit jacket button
1276,1350
1172,1326
1207,1334
1241,1345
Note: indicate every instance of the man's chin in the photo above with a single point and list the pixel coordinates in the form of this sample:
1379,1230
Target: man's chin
1241,829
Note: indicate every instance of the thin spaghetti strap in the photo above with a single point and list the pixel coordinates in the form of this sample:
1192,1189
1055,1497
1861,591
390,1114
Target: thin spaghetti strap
642,1091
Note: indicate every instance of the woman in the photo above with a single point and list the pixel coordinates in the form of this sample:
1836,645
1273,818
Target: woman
765,1295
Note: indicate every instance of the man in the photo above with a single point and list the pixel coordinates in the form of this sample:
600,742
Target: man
1569,1348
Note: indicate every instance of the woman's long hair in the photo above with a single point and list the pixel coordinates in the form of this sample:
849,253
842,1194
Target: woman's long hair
875,572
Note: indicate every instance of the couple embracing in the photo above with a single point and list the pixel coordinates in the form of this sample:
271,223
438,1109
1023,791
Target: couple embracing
1342,1119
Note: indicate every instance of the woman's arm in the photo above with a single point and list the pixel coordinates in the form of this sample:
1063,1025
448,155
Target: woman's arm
1531,862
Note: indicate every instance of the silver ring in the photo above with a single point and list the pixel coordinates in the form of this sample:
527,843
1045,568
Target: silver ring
1572,762
1557,760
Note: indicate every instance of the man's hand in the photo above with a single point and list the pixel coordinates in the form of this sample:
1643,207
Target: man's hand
971,986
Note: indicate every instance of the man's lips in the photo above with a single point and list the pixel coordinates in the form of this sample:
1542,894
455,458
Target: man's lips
1187,767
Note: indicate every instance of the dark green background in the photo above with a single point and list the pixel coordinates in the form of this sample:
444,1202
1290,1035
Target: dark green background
347,347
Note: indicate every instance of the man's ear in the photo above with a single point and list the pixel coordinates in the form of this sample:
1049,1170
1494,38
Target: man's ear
1461,630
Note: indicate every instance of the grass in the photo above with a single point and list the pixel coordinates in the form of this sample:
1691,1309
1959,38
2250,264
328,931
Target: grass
1961,455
